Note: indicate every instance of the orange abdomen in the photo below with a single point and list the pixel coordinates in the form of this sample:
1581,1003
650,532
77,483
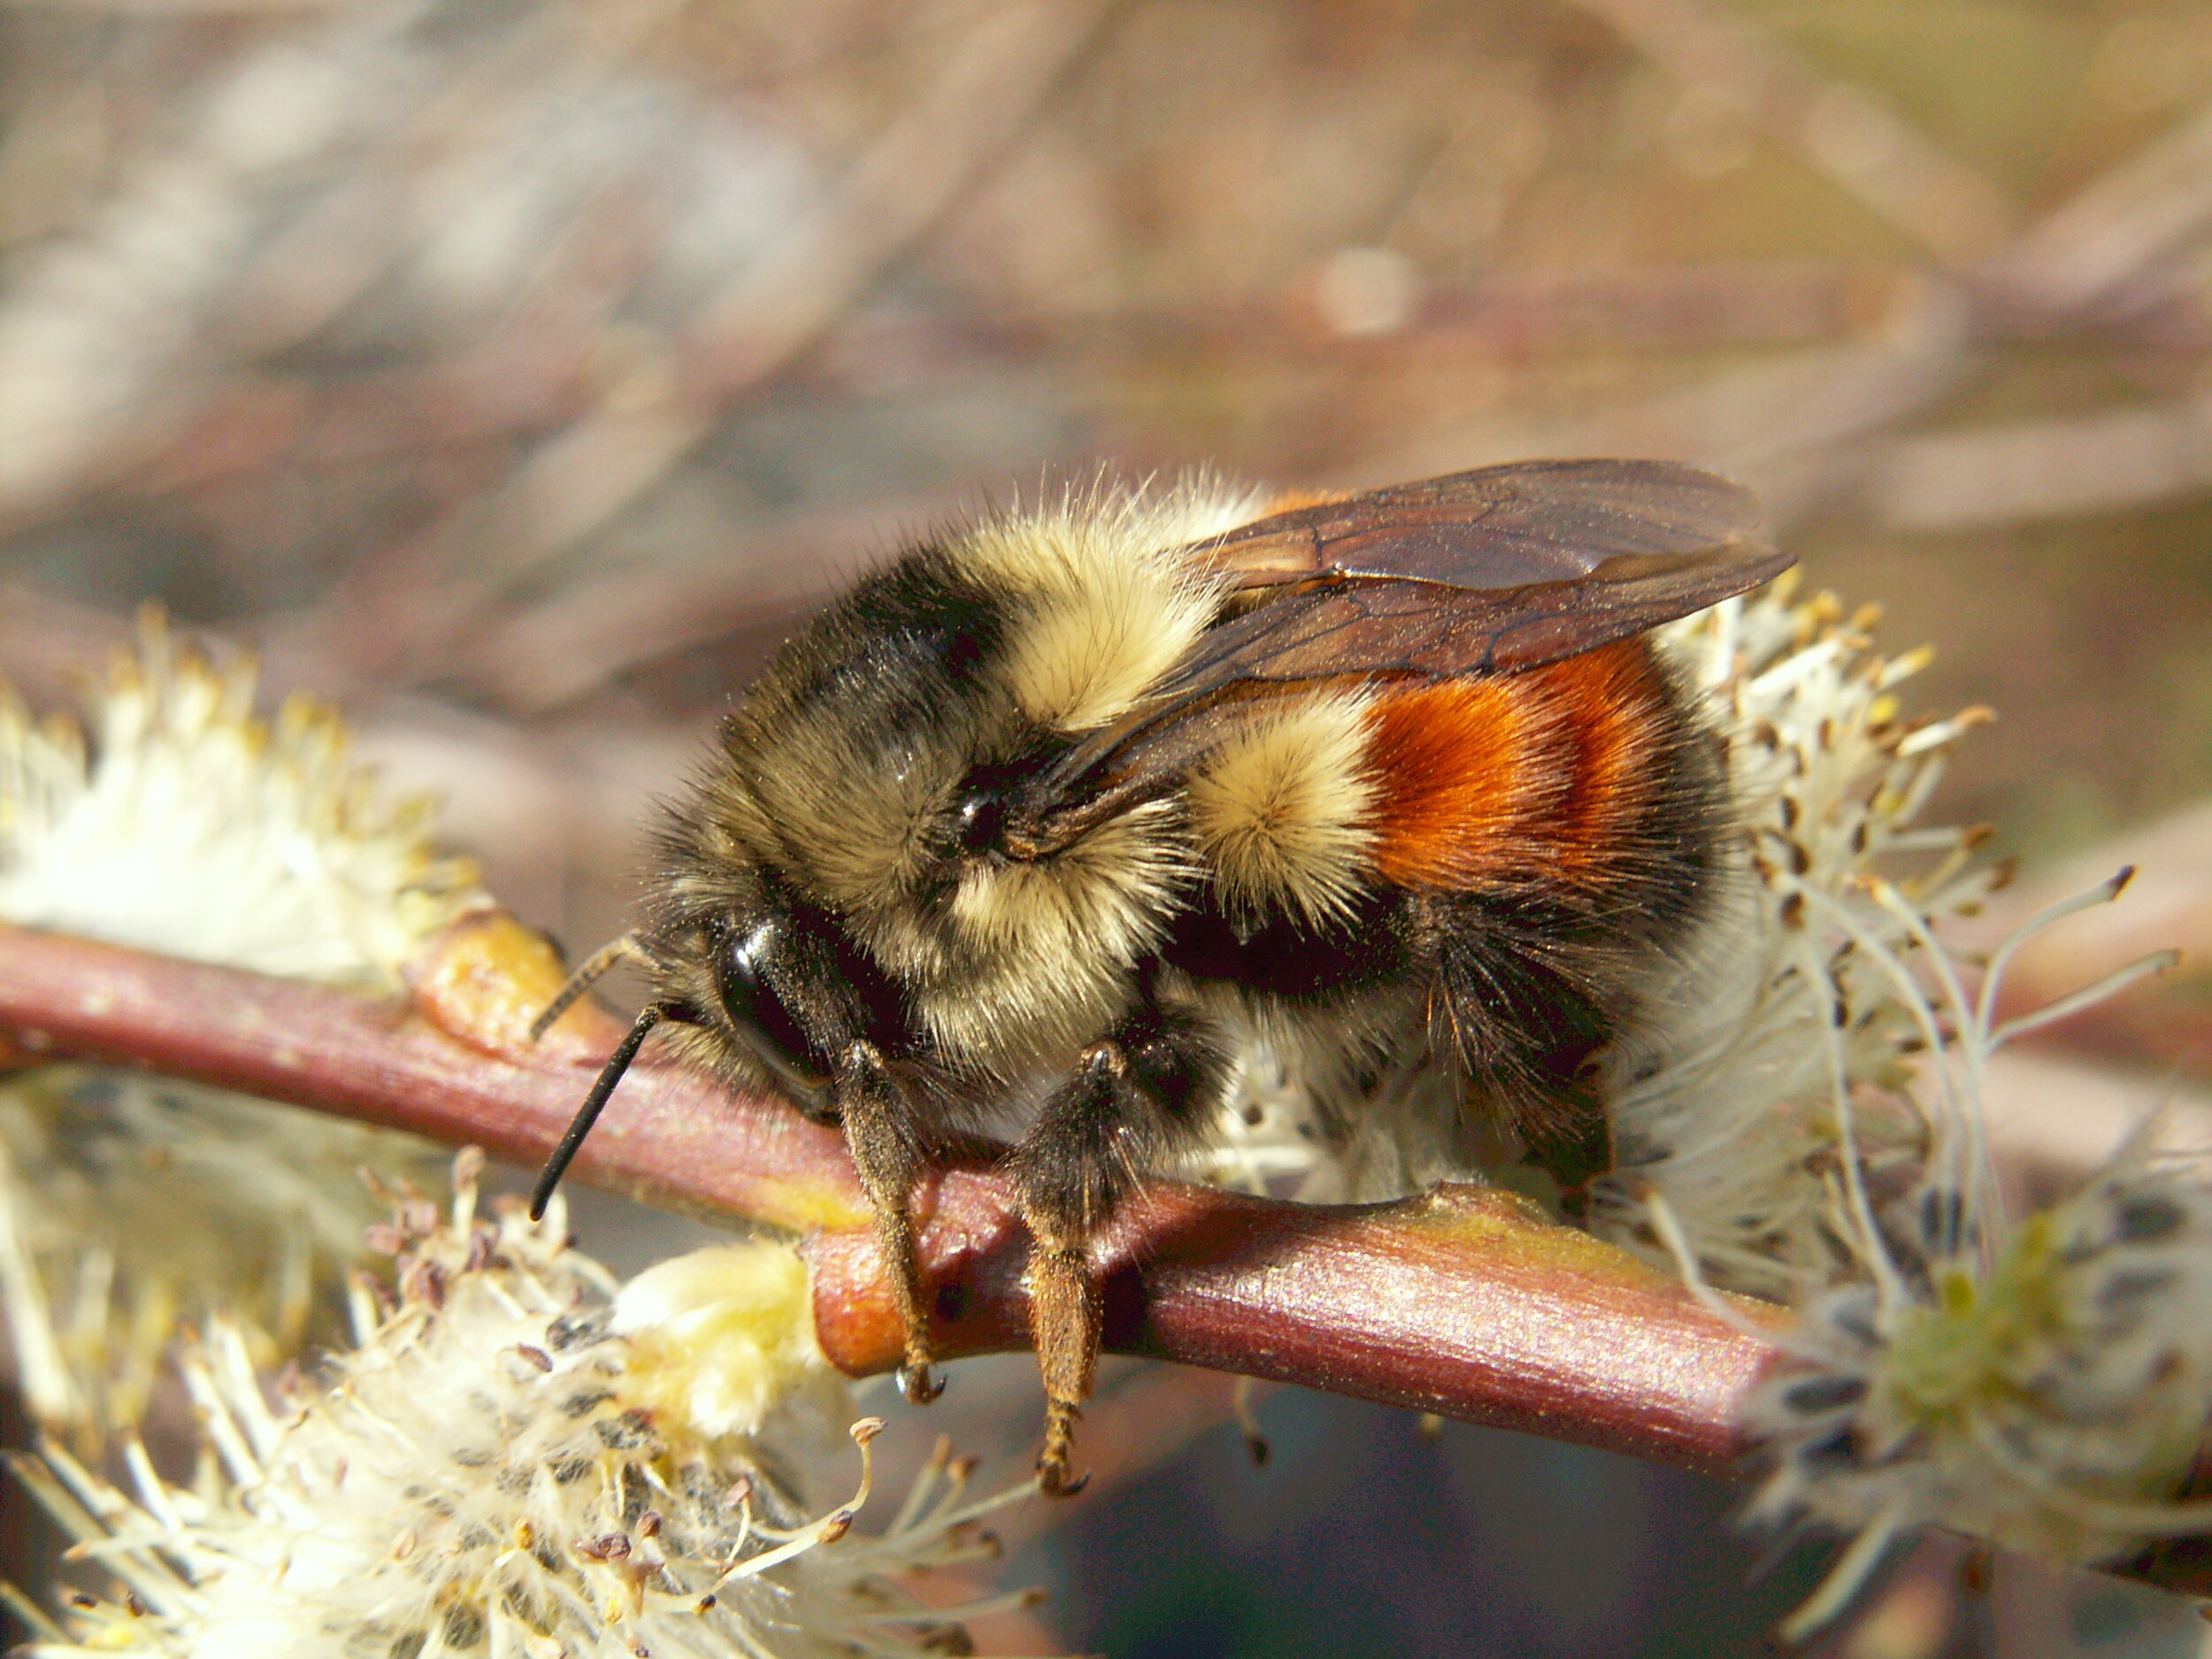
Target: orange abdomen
1535,779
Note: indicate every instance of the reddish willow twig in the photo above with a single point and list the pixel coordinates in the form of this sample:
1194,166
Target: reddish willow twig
1462,1301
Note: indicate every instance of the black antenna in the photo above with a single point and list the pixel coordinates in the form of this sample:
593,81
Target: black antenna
587,1114
593,968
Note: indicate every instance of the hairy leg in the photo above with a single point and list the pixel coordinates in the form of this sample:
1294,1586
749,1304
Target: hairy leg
1519,1000
1141,1093
879,1132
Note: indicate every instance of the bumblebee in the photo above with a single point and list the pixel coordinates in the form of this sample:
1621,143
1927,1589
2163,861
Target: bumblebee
1035,821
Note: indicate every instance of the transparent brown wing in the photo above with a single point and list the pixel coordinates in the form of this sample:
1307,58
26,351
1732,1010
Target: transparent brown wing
1483,573
1500,526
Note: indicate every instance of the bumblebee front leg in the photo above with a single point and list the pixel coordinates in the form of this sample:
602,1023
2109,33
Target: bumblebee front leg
879,1134
1140,1093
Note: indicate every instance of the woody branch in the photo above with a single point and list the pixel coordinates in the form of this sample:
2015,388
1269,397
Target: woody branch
1458,1302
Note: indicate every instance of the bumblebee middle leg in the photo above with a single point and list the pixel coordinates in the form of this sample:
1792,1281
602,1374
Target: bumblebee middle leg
1141,1093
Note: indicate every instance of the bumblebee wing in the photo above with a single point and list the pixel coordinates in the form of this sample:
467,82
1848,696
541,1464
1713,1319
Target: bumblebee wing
1483,573
1498,527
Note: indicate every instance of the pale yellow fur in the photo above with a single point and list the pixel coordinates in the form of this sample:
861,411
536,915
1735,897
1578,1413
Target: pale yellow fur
1051,942
1113,606
857,821
1281,813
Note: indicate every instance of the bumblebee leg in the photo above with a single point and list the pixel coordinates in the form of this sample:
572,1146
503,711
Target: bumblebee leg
1140,1093
1066,1321
1519,1003
880,1133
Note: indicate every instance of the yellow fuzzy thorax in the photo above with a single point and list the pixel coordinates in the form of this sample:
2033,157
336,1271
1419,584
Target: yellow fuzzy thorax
1109,602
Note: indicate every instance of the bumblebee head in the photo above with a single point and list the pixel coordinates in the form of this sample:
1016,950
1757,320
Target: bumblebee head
774,989
762,986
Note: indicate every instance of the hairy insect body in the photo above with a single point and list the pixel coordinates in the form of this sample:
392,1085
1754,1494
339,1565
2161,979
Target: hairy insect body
1463,837
1046,811
1533,853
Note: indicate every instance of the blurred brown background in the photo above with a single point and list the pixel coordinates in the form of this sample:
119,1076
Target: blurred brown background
512,371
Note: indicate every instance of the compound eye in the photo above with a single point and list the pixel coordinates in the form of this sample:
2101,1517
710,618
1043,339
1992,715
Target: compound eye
980,820
744,977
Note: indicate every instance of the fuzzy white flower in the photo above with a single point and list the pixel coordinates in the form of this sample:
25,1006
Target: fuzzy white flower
1730,1114
130,1205
2049,1394
183,824
508,1464
2043,1382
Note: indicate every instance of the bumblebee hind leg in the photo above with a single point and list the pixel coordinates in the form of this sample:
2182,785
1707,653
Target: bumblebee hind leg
1519,1003
1140,1092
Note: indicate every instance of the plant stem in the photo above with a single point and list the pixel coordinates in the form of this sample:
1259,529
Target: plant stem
1463,1302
